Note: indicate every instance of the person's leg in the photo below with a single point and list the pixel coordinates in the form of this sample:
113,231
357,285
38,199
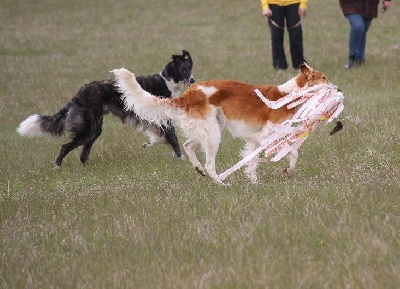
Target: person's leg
277,24
356,34
363,42
293,24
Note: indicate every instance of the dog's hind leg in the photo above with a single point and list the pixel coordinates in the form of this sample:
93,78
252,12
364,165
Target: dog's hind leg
85,128
65,149
87,147
86,152
89,133
190,146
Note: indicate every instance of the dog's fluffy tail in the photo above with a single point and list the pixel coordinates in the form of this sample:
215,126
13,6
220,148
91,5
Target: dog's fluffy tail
145,105
38,125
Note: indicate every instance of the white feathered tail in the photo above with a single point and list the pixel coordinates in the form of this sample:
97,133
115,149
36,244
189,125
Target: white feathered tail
31,127
145,105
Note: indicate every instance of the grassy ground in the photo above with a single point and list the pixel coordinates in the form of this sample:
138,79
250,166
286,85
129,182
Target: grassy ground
138,218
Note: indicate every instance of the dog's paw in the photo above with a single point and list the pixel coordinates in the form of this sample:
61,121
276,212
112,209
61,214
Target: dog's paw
225,184
288,170
253,178
251,174
181,157
200,171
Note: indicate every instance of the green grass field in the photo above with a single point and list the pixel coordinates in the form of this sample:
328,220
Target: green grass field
140,218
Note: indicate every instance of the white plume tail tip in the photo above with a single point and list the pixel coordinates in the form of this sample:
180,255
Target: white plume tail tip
122,73
30,127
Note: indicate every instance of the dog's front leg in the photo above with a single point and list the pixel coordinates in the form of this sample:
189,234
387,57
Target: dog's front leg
292,157
251,168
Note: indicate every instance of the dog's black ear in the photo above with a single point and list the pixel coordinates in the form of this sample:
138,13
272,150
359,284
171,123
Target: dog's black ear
176,57
186,56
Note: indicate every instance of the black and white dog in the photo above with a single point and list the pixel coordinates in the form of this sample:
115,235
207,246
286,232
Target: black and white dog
82,118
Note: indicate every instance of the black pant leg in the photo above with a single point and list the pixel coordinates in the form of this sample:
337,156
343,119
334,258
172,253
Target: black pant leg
277,26
295,31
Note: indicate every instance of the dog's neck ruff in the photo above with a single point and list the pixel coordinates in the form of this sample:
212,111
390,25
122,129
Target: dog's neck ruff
289,85
174,87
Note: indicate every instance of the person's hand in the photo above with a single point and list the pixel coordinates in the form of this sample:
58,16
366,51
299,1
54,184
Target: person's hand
302,11
386,4
267,13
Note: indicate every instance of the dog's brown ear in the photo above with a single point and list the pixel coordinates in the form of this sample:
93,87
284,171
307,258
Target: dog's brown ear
306,70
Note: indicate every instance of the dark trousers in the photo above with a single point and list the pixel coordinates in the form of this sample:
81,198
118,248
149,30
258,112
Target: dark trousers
277,25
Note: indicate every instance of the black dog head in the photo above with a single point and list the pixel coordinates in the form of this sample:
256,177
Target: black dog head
180,68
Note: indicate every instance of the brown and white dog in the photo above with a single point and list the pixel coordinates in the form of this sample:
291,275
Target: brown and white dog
206,108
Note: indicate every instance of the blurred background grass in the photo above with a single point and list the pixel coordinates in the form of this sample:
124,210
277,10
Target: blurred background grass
142,219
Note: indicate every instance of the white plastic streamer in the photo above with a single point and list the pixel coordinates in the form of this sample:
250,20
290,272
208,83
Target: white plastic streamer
320,104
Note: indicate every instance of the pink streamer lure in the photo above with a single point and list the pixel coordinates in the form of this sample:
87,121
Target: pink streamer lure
319,104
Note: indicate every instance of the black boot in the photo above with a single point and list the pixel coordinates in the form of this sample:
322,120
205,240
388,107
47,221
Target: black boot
359,62
351,62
